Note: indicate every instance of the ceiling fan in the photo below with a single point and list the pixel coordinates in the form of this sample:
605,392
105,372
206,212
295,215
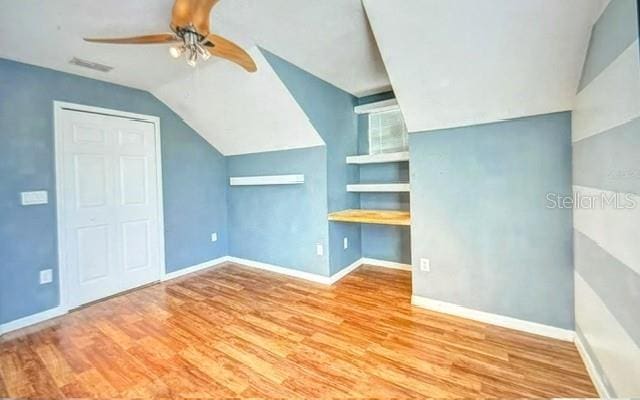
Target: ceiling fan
191,36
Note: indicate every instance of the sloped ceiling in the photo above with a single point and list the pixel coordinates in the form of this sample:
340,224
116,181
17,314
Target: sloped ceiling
255,112
465,62
329,38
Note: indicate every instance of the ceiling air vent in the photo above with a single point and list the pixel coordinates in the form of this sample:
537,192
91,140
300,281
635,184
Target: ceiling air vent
91,65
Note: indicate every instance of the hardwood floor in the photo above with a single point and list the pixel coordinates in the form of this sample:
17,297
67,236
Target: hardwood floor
240,332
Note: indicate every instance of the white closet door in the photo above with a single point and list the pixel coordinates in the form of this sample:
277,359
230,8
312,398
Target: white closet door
110,199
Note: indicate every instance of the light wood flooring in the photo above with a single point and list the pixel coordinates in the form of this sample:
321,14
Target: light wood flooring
236,332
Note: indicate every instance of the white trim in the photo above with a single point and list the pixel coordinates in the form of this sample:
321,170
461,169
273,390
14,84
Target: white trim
325,280
32,319
378,187
598,381
379,106
494,319
385,264
58,108
379,158
266,180
194,268
345,271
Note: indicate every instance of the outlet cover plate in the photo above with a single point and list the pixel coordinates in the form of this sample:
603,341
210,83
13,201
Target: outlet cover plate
46,276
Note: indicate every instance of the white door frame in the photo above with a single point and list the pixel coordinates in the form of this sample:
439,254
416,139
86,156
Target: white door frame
58,108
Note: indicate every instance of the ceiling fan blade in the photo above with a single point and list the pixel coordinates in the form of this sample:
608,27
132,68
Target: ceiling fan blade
201,15
221,47
181,13
147,39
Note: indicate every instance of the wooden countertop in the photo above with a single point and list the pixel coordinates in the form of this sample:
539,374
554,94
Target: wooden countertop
383,217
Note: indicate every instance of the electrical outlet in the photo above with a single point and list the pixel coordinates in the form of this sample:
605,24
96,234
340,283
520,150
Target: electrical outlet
319,249
345,243
214,237
46,276
425,265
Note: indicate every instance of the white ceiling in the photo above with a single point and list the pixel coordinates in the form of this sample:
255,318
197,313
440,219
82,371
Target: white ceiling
49,33
329,38
465,62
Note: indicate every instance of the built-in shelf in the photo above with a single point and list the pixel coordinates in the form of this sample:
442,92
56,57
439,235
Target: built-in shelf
382,217
379,106
378,187
266,180
379,158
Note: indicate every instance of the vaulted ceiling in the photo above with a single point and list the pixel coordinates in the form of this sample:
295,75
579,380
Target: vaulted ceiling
451,63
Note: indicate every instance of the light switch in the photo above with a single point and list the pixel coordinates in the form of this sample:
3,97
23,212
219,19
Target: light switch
319,249
34,198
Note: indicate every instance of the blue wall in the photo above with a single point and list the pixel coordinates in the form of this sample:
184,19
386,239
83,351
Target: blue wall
389,243
330,111
479,213
280,224
193,179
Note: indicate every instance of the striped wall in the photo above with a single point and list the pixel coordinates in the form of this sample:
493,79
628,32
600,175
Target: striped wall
606,178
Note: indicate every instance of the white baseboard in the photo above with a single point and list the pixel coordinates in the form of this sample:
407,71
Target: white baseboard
494,319
345,271
32,319
194,268
326,280
598,381
385,264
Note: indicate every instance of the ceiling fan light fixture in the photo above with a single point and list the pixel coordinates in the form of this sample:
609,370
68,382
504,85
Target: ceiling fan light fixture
192,59
202,52
176,51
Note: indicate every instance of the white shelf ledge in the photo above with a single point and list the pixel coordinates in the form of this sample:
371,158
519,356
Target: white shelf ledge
266,180
379,158
378,187
379,106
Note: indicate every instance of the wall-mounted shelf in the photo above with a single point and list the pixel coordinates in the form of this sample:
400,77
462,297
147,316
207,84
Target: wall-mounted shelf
378,187
379,158
382,217
266,180
379,106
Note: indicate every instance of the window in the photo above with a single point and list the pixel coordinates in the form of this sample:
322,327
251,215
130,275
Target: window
387,132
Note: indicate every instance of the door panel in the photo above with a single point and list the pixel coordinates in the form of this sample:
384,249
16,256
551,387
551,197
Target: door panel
138,198
93,253
110,201
90,180
133,180
136,250
88,134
